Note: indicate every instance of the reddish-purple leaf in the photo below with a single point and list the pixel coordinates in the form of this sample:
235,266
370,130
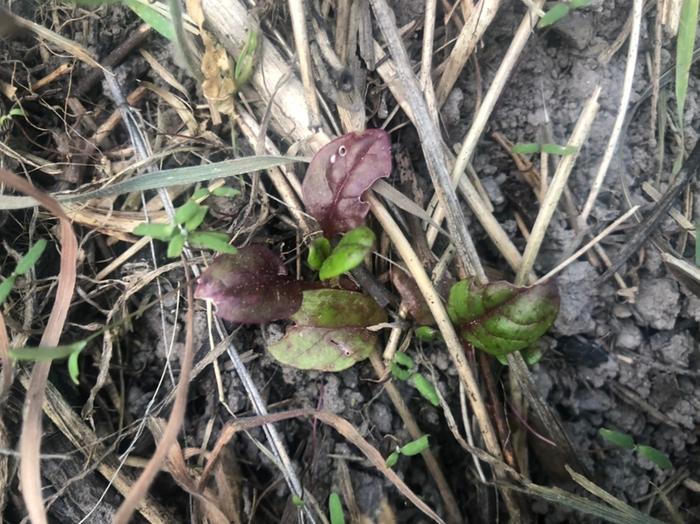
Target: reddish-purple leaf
340,173
412,298
250,286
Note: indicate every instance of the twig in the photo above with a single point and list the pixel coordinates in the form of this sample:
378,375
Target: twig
600,236
301,39
434,302
426,62
551,199
30,438
471,33
430,142
622,111
7,370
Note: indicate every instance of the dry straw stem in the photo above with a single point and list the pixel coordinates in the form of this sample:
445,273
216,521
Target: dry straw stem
177,416
551,199
582,251
471,33
79,434
431,142
437,308
622,111
30,438
6,371
453,514
301,39
341,425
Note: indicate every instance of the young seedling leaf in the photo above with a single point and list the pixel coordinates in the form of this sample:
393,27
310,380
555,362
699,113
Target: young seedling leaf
318,252
154,18
577,4
330,331
392,459
399,372
427,334
403,360
526,149
30,258
200,194
245,62
556,13
298,501
74,368
500,318
348,254
6,287
425,388
162,232
335,509
197,219
250,286
176,245
225,191
555,149
186,212
416,446
617,438
685,44
532,354
211,240
338,176
411,297
42,353
657,457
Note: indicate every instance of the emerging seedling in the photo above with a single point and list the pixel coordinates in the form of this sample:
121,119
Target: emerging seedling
559,11
346,256
185,226
25,263
623,440
403,368
335,509
414,447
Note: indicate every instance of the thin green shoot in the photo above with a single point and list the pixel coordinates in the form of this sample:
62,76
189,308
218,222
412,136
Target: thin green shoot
335,509
26,263
623,440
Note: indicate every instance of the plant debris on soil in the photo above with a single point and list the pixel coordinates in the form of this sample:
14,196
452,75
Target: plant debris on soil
296,396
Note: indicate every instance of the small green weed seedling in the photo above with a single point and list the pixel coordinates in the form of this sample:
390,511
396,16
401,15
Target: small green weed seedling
414,447
622,440
25,263
402,368
559,11
185,226
335,509
12,113
551,149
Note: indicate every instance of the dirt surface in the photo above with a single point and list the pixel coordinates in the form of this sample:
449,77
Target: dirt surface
623,361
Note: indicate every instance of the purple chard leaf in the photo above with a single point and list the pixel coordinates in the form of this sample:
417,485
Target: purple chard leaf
340,173
250,286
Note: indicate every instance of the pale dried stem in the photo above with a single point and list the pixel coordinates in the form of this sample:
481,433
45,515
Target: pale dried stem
637,9
426,64
479,20
600,236
7,370
301,39
431,143
551,199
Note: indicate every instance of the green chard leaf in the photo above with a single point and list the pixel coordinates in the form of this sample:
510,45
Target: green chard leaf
6,288
425,388
349,253
319,251
501,318
330,332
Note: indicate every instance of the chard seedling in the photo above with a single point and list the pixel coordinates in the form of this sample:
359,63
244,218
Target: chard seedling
184,228
623,440
338,176
501,318
560,10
